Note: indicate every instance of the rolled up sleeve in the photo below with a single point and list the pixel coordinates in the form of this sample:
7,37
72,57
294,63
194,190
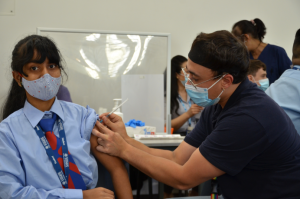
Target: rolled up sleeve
88,122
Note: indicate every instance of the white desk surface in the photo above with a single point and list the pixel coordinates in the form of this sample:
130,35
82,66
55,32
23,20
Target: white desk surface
161,143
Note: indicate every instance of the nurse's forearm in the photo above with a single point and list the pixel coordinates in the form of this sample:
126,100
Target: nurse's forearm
179,121
156,152
159,168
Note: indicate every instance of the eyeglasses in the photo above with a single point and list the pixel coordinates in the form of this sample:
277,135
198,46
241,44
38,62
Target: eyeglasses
184,71
195,85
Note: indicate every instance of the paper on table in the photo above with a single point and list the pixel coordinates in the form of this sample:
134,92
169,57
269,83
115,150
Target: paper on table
157,137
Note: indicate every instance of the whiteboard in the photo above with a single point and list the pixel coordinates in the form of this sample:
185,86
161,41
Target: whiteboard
97,62
145,95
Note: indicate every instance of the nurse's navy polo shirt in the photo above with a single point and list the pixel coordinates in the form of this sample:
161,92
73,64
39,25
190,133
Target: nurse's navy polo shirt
254,142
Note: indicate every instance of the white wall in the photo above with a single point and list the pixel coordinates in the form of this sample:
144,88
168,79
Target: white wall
184,19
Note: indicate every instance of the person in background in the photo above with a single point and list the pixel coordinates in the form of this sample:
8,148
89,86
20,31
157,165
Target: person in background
252,33
257,73
185,113
286,90
63,94
46,144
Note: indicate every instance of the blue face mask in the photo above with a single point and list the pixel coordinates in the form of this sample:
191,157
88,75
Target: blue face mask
184,81
200,95
264,84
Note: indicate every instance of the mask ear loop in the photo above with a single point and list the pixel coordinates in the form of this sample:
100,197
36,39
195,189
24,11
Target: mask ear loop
21,78
221,92
216,81
255,80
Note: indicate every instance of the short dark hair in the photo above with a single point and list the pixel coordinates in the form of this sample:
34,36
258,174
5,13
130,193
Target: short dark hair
221,52
255,65
296,45
257,29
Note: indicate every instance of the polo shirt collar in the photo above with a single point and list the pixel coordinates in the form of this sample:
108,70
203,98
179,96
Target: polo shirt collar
243,86
34,115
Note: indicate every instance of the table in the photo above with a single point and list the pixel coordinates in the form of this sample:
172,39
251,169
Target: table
173,143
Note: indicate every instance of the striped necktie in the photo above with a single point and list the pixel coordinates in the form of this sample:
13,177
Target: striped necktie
75,180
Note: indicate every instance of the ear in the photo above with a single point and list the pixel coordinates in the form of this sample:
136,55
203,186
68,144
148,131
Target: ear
17,78
177,76
227,81
246,37
250,77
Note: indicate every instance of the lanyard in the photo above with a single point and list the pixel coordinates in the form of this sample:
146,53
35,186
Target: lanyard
62,177
190,104
214,188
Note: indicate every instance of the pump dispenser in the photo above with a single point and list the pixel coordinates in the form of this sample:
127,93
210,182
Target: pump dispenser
118,112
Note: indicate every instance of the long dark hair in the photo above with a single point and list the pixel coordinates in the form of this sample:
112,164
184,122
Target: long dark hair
176,63
257,28
22,55
296,45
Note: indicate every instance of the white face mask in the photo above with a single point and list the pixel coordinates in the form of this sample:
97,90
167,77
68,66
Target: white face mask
44,88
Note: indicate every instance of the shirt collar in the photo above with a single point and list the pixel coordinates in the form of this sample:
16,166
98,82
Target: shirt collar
187,99
245,84
34,115
296,67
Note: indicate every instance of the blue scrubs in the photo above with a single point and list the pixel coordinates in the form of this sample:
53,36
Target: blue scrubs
276,61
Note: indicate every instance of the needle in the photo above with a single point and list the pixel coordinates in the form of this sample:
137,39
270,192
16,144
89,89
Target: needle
113,110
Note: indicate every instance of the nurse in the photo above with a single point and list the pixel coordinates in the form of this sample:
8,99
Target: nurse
286,91
185,113
243,137
252,33
257,73
46,144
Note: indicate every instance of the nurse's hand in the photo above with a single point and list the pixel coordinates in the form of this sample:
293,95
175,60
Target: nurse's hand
98,193
109,142
115,123
194,110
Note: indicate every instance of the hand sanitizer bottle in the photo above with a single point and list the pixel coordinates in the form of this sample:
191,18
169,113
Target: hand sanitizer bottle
118,112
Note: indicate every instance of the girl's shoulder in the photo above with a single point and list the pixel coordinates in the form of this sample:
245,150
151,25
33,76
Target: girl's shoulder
15,115
12,122
70,108
69,104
